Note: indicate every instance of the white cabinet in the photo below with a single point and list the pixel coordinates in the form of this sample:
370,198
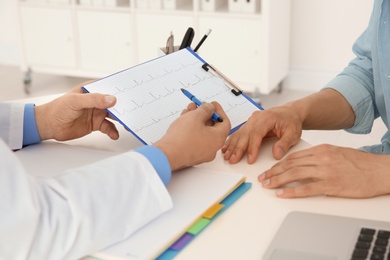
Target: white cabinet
249,41
104,46
48,37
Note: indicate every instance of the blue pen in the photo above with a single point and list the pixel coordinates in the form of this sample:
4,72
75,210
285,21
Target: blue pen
215,116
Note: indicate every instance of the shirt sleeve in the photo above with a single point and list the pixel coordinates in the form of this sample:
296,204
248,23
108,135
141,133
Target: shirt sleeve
30,129
356,83
159,161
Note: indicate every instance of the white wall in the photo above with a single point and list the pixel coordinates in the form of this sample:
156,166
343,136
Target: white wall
322,34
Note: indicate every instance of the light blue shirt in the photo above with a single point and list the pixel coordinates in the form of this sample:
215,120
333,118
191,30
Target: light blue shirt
155,156
365,82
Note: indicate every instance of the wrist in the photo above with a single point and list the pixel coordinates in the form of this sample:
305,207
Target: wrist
380,177
311,110
170,154
299,109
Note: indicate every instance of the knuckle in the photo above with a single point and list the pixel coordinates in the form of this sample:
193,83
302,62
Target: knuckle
305,189
269,113
294,174
255,114
301,191
207,107
286,165
274,181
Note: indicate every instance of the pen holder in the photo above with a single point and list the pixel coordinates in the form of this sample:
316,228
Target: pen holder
163,50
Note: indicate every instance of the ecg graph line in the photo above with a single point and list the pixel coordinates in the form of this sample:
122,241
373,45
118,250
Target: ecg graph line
157,76
156,120
152,96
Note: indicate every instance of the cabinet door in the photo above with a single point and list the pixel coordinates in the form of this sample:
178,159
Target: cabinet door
47,37
153,30
105,41
235,47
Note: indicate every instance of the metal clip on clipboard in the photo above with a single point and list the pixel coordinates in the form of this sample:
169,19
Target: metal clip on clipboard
235,89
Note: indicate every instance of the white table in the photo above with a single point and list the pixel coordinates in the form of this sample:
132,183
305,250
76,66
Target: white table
247,227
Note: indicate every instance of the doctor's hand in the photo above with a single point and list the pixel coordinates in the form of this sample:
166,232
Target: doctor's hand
329,170
194,138
74,115
282,122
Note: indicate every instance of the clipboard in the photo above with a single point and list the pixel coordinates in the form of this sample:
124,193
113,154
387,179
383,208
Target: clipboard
149,96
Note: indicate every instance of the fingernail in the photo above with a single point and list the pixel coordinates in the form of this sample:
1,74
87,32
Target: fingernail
250,157
233,156
279,152
266,182
261,177
109,99
279,192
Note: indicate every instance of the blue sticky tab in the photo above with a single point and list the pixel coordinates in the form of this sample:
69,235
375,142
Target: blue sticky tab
229,200
168,255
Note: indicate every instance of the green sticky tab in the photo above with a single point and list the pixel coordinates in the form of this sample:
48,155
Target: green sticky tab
198,226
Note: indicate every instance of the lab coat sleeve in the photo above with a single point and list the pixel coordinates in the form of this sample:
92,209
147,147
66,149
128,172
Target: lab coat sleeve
79,212
11,124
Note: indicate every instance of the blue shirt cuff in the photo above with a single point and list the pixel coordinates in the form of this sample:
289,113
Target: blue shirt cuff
159,161
30,129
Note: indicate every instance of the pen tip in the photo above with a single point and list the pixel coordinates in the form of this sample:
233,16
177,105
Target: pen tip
220,119
182,89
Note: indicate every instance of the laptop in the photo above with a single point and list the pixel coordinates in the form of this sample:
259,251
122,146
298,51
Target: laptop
311,236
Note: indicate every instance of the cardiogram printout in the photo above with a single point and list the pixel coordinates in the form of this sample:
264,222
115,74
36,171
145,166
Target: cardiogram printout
149,96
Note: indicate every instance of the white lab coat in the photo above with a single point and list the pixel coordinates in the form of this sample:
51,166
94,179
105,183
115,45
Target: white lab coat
77,213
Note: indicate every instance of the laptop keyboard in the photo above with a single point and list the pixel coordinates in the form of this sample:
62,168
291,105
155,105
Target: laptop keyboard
372,244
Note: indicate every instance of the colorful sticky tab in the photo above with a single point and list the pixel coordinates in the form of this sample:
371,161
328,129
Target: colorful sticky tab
168,254
182,241
229,200
213,210
198,226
